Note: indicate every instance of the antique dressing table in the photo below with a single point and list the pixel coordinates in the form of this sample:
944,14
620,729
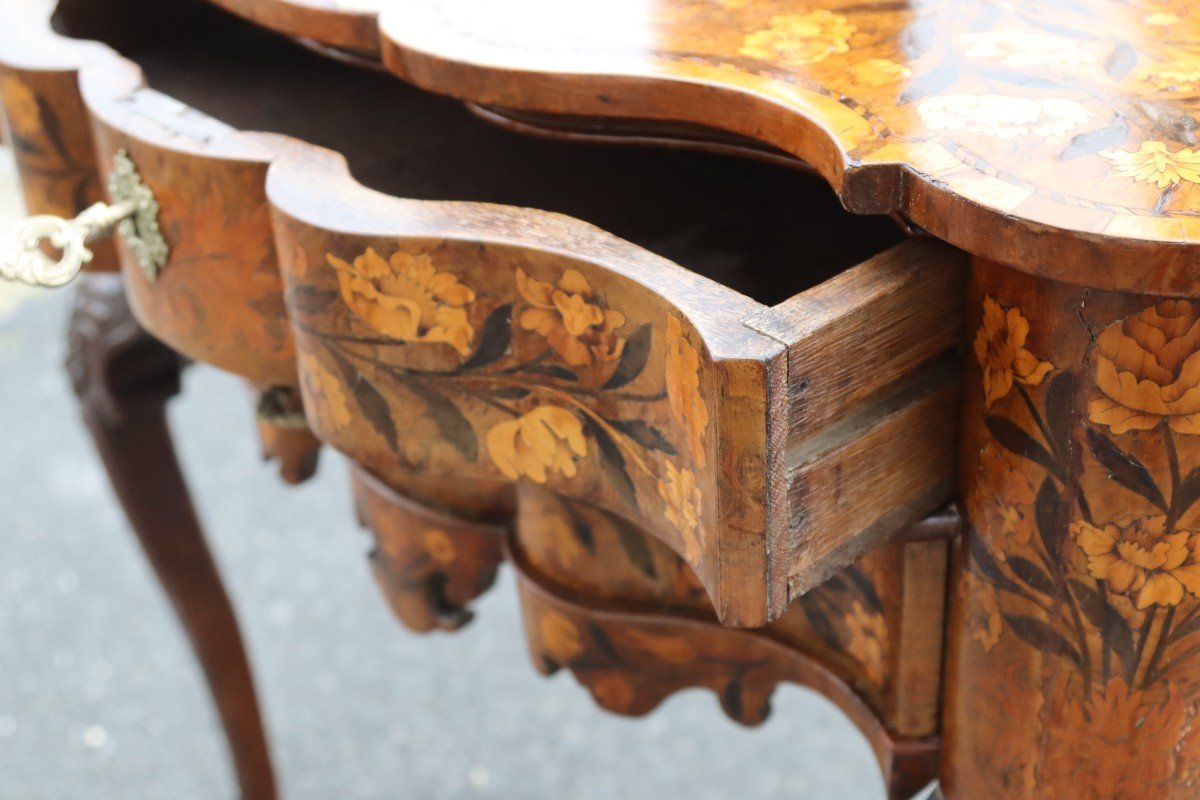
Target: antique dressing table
567,284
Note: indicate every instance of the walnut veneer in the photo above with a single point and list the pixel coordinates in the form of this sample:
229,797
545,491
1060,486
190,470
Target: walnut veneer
568,286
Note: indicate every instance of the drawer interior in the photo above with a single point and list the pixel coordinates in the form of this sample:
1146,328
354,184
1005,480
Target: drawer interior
764,230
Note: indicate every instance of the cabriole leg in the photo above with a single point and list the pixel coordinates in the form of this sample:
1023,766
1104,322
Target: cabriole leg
124,378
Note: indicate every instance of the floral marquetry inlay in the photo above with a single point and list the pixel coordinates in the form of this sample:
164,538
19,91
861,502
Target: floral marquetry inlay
1083,547
1000,349
406,298
1143,561
1148,370
569,316
799,38
536,373
546,439
1154,163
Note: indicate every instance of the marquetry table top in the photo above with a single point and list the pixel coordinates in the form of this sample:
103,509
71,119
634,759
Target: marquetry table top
1059,137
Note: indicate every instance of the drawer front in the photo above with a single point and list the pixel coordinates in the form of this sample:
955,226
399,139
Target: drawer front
486,343
218,298
877,623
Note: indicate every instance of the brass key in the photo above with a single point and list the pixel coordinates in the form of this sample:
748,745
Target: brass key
134,214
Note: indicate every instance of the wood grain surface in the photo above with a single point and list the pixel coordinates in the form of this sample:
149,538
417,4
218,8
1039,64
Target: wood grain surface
1058,139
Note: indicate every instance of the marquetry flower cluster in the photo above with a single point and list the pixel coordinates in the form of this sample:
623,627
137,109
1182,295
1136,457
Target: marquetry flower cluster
325,402
554,364
1114,742
678,488
1025,49
1103,736
985,621
406,298
1155,163
847,613
683,389
546,440
571,318
1001,352
981,85
1005,500
1148,370
1142,559
797,39
867,637
879,72
1002,502
1148,376
682,500
1004,116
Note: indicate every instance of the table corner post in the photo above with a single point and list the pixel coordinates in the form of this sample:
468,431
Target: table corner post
1072,651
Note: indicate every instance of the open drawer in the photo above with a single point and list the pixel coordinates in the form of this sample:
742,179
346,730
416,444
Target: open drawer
760,380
